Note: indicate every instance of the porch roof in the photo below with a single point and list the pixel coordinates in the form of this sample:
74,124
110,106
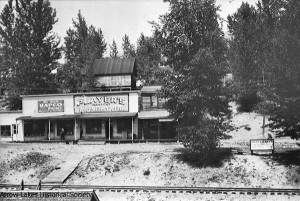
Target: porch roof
81,116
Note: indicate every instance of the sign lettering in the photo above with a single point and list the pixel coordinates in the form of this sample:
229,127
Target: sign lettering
101,103
50,106
49,195
262,145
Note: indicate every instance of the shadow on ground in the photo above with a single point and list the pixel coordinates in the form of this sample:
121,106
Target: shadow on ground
287,158
291,160
215,159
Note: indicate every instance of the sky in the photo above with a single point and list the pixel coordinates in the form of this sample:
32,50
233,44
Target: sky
119,17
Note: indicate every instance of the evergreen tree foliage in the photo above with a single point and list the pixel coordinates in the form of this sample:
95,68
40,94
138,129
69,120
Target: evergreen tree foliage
128,48
286,91
243,29
193,44
29,49
113,50
148,56
83,46
264,54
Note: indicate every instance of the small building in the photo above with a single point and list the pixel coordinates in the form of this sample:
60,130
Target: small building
115,111
9,125
101,115
115,74
155,122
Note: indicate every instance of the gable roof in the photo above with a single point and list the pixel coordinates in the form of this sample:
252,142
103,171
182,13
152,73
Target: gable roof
115,66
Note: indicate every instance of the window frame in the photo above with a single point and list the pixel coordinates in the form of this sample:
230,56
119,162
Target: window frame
35,128
15,129
124,125
88,123
2,130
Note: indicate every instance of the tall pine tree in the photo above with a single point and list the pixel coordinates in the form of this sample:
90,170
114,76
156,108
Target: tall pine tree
113,50
148,56
83,45
29,49
128,48
193,44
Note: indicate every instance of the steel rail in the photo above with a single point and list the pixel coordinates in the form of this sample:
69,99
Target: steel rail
206,190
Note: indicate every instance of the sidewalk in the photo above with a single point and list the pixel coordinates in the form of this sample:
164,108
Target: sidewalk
59,175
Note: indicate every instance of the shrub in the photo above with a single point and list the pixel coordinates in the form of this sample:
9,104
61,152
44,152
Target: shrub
200,141
29,160
147,172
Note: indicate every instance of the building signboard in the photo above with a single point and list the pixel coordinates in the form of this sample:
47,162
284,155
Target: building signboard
101,103
262,145
50,106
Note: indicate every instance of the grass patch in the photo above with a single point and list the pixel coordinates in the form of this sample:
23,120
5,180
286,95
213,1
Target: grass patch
214,160
29,160
288,158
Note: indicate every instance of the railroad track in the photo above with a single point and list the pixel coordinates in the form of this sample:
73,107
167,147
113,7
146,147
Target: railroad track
117,189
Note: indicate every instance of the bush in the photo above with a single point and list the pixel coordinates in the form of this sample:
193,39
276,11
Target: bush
200,141
29,160
147,172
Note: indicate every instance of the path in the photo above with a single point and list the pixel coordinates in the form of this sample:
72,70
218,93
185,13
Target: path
59,175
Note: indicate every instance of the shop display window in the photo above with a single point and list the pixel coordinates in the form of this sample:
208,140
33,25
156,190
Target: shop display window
67,125
153,129
5,131
124,125
35,128
93,126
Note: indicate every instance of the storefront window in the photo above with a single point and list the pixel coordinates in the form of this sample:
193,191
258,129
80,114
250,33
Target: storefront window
153,129
93,126
35,128
5,131
124,125
67,125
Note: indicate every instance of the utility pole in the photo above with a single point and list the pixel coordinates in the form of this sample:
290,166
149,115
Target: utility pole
263,108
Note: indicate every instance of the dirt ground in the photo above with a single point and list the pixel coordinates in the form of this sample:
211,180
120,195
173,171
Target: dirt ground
165,169
155,164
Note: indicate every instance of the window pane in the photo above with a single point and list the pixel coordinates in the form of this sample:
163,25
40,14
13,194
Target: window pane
15,129
5,131
154,101
146,102
93,126
124,125
67,125
153,129
35,128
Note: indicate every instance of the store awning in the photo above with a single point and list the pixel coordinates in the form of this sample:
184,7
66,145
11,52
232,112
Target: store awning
107,115
167,120
71,116
81,116
159,114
